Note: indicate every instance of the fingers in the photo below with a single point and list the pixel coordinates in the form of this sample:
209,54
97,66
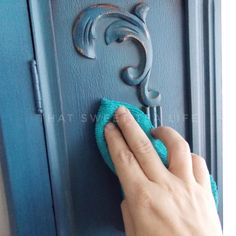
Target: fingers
179,156
128,221
128,170
201,172
140,145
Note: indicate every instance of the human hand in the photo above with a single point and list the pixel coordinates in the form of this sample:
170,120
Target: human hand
158,201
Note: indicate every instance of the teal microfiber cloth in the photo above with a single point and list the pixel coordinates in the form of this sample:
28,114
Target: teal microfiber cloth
105,115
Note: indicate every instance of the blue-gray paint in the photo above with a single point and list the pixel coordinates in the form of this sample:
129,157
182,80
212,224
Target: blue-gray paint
128,26
86,196
45,55
23,153
204,73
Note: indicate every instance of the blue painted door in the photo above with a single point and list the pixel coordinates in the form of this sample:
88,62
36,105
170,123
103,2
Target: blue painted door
23,155
86,194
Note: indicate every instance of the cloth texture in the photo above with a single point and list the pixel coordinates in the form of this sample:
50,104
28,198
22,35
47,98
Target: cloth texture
105,114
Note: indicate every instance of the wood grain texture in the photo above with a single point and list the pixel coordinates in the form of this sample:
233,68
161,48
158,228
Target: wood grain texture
23,158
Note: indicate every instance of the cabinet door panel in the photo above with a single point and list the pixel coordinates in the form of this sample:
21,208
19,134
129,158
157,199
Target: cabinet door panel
87,194
23,155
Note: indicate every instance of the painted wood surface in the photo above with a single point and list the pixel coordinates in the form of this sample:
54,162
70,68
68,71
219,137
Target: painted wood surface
204,73
23,155
4,214
128,26
87,194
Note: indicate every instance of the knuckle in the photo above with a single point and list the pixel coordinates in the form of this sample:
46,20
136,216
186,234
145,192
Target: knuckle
202,159
126,157
143,197
171,186
184,144
124,118
189,188
143,146
181,145
159,130
199,158
172,190
164,129
123,204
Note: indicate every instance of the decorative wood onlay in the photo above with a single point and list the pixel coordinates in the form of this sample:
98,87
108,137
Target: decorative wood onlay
128,26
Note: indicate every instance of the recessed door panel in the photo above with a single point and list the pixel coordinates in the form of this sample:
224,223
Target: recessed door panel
95,192
92,193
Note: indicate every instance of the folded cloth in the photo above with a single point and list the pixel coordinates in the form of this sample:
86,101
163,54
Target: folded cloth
105,114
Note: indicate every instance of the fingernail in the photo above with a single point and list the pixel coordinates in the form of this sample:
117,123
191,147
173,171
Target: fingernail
110,126
121,110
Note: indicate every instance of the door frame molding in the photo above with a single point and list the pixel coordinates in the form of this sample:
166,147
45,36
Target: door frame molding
203,20
45,55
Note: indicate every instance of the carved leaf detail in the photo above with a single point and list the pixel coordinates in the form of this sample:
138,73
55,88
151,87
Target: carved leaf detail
128,26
